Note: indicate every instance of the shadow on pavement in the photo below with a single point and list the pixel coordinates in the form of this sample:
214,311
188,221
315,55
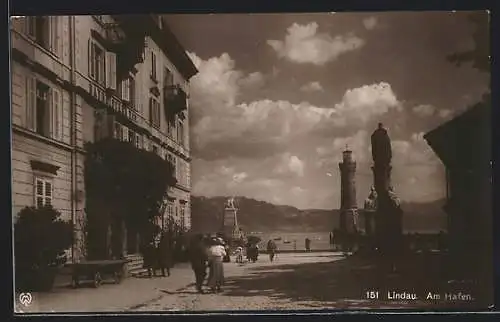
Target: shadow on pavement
344,283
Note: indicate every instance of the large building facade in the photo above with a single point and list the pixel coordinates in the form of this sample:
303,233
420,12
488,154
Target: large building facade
78,79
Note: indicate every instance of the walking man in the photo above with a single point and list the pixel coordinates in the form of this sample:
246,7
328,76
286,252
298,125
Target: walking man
198,259
271,249
165,254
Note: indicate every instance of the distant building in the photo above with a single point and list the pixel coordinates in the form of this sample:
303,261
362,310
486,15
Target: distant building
464,146
82,78
348,203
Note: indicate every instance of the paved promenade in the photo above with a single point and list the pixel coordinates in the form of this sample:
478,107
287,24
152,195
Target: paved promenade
323,280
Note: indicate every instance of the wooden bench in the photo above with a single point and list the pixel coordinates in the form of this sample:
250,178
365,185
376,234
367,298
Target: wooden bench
96,271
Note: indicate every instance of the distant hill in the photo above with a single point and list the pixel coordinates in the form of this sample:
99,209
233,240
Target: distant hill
255,215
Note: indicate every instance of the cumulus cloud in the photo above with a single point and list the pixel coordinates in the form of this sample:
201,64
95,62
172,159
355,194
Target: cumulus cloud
255,79
220,124
312,87
370,23
290,164
303,44
424,110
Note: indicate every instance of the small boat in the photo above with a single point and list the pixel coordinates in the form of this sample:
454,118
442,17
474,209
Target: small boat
286,242
277,238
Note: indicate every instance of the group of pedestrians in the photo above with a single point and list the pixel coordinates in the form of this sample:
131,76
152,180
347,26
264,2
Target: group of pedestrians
158,254
208,252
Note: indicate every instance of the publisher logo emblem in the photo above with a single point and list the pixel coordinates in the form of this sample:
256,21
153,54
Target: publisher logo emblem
25,299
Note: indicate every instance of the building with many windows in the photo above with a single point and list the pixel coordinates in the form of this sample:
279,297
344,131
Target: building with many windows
78,79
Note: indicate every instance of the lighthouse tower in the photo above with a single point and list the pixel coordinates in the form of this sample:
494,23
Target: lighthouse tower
348,204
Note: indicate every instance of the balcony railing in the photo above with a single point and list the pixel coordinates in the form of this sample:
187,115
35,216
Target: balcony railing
124,108
175,99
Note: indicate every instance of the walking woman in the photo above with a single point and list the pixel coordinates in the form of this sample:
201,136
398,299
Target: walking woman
216,253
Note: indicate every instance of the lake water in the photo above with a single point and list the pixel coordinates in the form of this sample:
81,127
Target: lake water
319,240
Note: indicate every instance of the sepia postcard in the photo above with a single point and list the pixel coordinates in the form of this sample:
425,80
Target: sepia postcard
250,162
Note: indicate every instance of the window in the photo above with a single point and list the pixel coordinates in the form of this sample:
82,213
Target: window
125,133
154,112
180,133
171,125
45,31
168,77
173,161
145,143
131,90
138,141
177,168
153,65
43,192
183,215
110,64
118,131
131,137
170,210
127,89
44,109
97,62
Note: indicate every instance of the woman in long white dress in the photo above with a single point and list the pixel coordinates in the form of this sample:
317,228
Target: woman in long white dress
216,253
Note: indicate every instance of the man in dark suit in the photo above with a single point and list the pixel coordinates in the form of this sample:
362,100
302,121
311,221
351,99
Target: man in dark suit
198,258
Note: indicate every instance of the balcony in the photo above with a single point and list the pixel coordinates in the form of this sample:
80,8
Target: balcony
127,35
118,105
175,100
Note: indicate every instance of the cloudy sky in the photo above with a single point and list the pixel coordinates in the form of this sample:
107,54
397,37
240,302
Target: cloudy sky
279,96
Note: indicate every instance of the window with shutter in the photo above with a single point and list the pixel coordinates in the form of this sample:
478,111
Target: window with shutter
180,133
111,70
54,34
43,192
97,62
131,136
153,65
168,77
30,103
132,95
56,111
30,26
154,112
125,89
43,110
125,131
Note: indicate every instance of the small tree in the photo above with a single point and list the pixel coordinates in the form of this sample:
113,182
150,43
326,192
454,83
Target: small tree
40,237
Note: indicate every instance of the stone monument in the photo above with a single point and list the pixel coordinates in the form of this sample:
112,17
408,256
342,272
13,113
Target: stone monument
230,227
388,213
